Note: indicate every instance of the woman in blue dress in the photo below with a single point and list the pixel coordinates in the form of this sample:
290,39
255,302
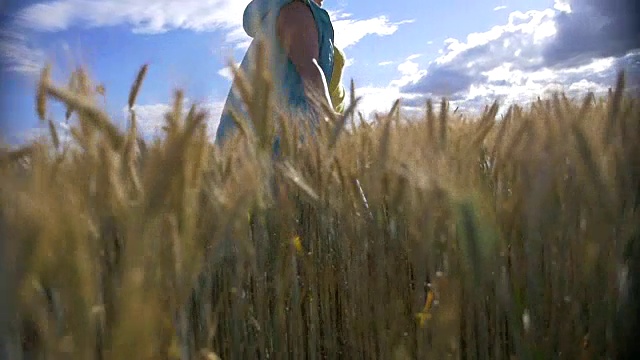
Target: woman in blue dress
299,39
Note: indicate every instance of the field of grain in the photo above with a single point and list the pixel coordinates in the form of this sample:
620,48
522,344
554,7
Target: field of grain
511,236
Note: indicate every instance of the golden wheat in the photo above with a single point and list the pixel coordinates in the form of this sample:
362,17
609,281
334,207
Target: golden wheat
393,240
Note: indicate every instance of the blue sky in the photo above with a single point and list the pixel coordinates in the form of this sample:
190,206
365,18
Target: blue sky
473,52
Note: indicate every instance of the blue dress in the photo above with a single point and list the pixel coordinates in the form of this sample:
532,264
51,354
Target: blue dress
259,21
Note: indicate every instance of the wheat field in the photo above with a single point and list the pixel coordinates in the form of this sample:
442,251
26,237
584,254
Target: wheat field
511,236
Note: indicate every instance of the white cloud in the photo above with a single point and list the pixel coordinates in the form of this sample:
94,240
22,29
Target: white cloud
562,5
146,17
349,61
18,55
226,73
500,55
498,8
385,63
505,63
514,85
42,132
349,31
160,16
151,119
538,24
584,85
410,72
408,67
376,99
596,66
380,99
238,36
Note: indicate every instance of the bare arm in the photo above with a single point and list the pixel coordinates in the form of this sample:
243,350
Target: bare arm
298,33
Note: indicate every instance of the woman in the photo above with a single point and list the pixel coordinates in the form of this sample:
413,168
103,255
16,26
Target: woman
299,39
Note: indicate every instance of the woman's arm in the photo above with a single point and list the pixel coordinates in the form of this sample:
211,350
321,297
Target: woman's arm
298,33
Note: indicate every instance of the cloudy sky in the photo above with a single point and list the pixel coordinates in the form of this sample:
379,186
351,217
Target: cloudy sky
470,51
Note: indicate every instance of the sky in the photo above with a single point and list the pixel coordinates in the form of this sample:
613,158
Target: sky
472,52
